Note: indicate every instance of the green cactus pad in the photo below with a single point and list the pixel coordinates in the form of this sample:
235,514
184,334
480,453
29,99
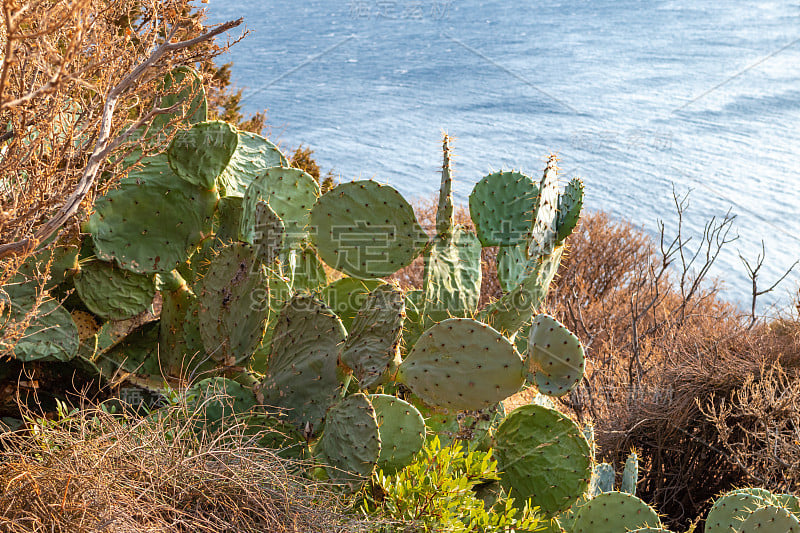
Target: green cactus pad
452,281
216,399
346,296
770,519
501,206
181,346
113,293
192,98
461,363
26,282
755,491
543,233
475,429
51,335
366,230
301,372
228,220
291,193
267,231
402,431
253,156
153,221
613,512
630,475
602,479
234,305
729,510
351,443
308,273
511,266
570,203
372,348
276,435
134,355
200,154
543,455
788,501
555,356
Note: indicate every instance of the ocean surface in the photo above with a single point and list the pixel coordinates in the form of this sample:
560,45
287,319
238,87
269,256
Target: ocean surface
639,99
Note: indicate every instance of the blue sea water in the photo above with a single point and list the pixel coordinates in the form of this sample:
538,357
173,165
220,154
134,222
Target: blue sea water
637,98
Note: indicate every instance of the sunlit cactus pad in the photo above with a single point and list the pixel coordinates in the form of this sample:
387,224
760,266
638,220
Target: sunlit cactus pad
402,431
555,356
351,442
113,293
461,363
366,230
502,207
613,512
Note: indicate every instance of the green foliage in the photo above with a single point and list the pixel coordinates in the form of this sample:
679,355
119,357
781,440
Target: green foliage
437,493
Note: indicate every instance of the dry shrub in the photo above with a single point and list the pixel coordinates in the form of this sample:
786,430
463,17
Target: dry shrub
707,397
93,471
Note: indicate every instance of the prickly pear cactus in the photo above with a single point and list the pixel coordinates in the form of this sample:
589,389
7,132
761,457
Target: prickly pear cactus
730,510
291,193
630,475
301,371
113,293
543,233
200,154
51,335
612,512
153,221
234,305
543,455
268,233
351,442
346,296
602,479
502,207
770,519
461,363
511,265
366,230
570,204
555,356
217,399
253,156
372,348
402,431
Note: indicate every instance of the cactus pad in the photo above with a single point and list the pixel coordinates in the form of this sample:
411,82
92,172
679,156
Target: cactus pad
351,442
630,475
216,399
267,231
543,235
462,364
366,230
113,293
51,335
346,296
602,479
543,455
570,203
402,431
555,356
770,519
730,509
613,512
501,206
234,305
153,221
452,282
290,193
301,372
200,154
511,266
372,348
253,156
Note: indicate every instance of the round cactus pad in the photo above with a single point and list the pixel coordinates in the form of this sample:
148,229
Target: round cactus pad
366,230
555,356
371,350
501,206
51,335
153,221
200,154
351,442
770,519
346,296
290,193
461,363
253,156
402,431
301,370
613,512
234,305
113,293
543,455
511,266
729,510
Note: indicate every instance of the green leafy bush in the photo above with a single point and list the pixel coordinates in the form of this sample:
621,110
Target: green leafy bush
437,492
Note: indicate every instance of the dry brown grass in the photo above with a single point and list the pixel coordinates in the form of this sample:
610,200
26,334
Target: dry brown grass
93,471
